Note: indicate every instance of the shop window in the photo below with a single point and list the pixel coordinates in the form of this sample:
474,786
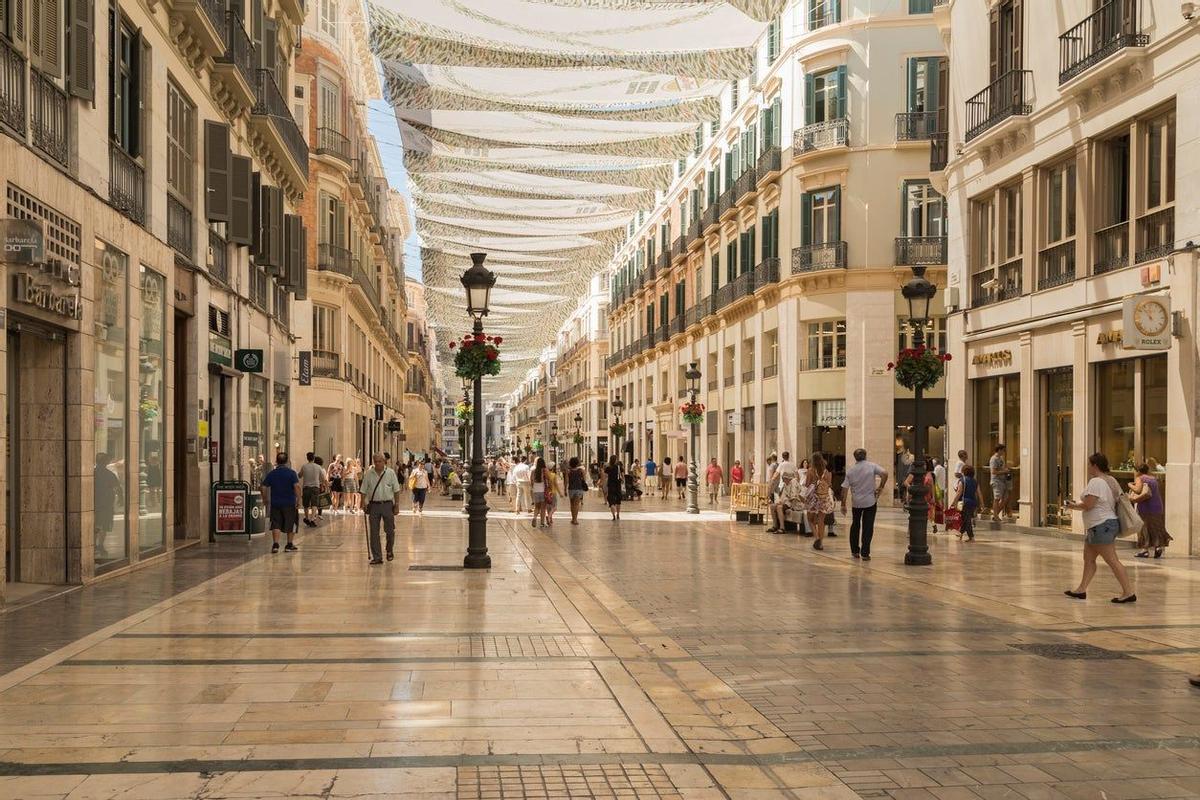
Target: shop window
1131,415
110,399
827,344
152,399
279,431
256,418
935,333
997,417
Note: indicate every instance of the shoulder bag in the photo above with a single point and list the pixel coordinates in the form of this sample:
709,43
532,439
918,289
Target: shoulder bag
1128,518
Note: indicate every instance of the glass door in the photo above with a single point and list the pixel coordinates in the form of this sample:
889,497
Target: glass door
1058,455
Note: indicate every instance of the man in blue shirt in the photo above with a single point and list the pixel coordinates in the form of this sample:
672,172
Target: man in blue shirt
651,474
281,494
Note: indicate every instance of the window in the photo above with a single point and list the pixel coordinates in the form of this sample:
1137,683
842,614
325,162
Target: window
325,329
1011,226
329,96
924,85
825,96
823,12
827,344
935,333
125,85
770,238
733,97
1160,161
924,210
1006,37
328,19
920,6
770,119
821,216
1058,186
181,144
110,435
772,41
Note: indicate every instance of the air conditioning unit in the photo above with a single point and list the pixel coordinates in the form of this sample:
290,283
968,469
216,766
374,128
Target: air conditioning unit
950,297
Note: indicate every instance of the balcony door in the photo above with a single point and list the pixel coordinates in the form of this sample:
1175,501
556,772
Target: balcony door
1006,38
329,105
822,216
924,211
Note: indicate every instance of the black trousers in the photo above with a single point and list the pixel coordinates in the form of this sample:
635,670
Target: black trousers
378,512
864,522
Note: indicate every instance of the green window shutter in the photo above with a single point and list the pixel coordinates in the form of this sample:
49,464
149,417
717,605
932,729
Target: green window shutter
714,272
933,84
836,6
750,250
806,218
904,208
810,99
775,233
837,213
843,108
81,49
911,93
777,122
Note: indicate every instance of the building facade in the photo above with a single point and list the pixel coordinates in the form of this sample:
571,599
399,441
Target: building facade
1063,211
152,184
530,409
352,321
775,259
422,407
581,401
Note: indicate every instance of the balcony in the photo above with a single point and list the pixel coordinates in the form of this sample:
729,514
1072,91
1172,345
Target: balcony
663,262
294,10
1156,235
728,381
218,257
818,257
823,361
693,316
678,324
204,20
693,232
235,67
332,143
745,185
49,120
180,228
126,185
332,258
326,364
914,251
821,15
821,136
12,88
766,273
726,202
710,216
723,296
1056,265
1112,248
916,126
1109,30
712,384
770,371
768,164
1003,284
939,151
678,247
273,118
1006,97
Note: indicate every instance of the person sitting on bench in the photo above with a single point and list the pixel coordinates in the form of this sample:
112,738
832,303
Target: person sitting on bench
788,497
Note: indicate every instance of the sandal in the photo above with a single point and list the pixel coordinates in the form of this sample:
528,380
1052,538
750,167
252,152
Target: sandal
1158,552
1142,554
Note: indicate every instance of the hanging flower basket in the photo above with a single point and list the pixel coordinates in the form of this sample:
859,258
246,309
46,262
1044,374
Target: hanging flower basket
477,355
463,411
537,445
577,438
919,368
617,429
693,413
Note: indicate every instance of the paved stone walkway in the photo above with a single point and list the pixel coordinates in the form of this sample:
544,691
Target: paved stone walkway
665,656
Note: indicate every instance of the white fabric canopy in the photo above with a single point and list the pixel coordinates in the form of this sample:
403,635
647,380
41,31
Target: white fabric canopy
534,129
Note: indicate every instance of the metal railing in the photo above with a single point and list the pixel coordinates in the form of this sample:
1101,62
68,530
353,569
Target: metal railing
916,126
939,151
710,216
1003,284
723,296
769,160
1109,29
745,184
678,247
663,262
748,376
1156,235
333,258
830,361
728,381
239,49
692,316
218,253
126,184
770,370
767,272
726,201
215,11
179,227
816,257
693,230
333,143
1112,248
1056,265
712,384
917,250
12,87
822,136
1007,96
364,282
678,324
49,119
272,104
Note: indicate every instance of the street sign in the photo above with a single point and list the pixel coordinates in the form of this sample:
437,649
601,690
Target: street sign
248,360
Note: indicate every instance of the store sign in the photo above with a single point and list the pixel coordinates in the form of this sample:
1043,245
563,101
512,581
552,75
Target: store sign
23,241
229,507
306,367
250,360
1109,337
251,438
830,414
998,358
1147,323
49,285
220,349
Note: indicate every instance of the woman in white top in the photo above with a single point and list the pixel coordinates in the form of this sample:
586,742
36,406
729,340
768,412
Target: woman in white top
1099,507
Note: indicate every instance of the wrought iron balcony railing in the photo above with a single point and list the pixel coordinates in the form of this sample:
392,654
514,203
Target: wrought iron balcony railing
939,151
126,185
916,126
49,122
331,142
745,184
1112,248
271,104
326,364
1056,265
1109,29
678,247
920,250
12,88
1156,235
822,136
180,227
710,216
693,230
769,161
726,201
767,272
333,258
1004,284
1008,96
239,49
817,257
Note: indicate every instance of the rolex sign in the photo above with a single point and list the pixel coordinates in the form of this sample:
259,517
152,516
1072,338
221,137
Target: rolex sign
1147,323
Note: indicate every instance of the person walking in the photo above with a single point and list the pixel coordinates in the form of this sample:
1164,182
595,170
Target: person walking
554,488
336,484
904,465
713,477
972,499
502,468
1099,506
668,476
1146,496
772,466
613,488
736,473
1001,480
539,482
310,487
350,476
282,491
651,474
418,484
681,476
865,481
819,480
381,490
523,497
576,488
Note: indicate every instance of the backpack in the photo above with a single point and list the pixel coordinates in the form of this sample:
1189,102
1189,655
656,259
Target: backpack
1128,518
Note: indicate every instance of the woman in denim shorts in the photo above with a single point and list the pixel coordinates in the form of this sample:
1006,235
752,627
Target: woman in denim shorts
1099,507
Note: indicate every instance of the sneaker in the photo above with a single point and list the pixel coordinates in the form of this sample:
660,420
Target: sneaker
390,556
275,547
290,548
866,557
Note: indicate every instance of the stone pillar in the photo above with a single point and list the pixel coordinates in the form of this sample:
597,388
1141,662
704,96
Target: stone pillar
1081,417
1029,494
790,348
870,397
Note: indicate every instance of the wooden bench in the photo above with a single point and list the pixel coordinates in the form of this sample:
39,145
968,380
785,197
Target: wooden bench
748,502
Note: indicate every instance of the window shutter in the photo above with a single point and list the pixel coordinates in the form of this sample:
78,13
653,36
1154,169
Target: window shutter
134,100
812,15
1018,25
267,50
835,7
292,226
777,122
35,34
301,289
933,83
216,171
806,219
775,233
810,99
276,229
48,54
766,227
910,102
943,111
904,208
837,213
843,107
241,172
81,76
994,39
114,49
255,213
13,23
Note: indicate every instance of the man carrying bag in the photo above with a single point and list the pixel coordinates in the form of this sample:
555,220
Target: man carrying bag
381,493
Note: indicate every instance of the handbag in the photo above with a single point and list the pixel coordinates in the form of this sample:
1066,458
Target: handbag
324,500
953,519
1127,517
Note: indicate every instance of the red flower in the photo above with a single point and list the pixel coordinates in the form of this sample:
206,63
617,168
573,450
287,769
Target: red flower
498,340
479,337
891,365
946,357
491,356
452,345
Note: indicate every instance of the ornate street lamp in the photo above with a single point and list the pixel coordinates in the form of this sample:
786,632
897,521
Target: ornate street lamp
693,387
618,405
478,281
918,292
465,436
578,436
554,440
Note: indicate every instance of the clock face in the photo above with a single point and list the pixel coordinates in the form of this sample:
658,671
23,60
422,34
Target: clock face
1150,317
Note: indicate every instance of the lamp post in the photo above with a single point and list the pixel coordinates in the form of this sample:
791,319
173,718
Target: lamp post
466,441
578,436
618,405
554,443
918,292
693,501
478,281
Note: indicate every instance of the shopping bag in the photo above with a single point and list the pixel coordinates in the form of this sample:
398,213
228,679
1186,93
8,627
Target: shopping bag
953,519
324,500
